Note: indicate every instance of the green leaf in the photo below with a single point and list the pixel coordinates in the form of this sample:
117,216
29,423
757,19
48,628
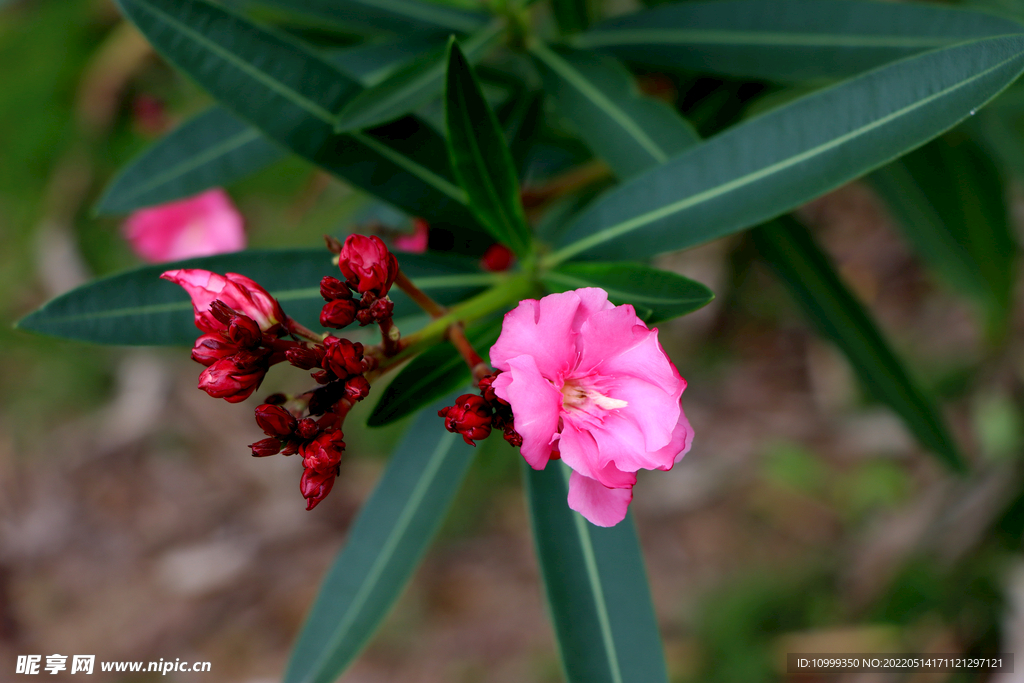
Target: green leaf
520,118
215,148
409,87
787,40
596,587
657,295
138,308
596,94
480,157
292,96
768,165
791,251
430,375
572,16
384,547
948,197
209,150
396,16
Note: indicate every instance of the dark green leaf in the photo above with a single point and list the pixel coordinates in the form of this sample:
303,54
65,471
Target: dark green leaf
770,164
520,119
431,374
948,197
788,40
409,87
656,295
292,96
384,547
480,157
572,16
596,94
812,280
596,586
138,308
209,150
396,16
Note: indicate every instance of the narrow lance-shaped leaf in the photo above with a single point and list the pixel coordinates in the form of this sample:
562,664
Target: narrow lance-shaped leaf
138,308
292,95
596,586
598,96
770,164
410,87
948,197
872,359
787,40
433,373
480,156
216,148
657,295
812,280
383,548
373,16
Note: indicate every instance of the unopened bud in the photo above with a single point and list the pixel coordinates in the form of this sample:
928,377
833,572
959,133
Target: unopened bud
357,388
234,378
307,428
265,447
338,313
331,288
342,357
323,453
470,417
274,420
367,264
316,485
211,348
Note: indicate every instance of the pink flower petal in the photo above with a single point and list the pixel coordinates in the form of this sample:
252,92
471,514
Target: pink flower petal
580,449
540,329
202,225
535,404
600,505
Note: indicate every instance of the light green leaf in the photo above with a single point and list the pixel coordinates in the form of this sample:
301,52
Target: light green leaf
292,95
138,308
410,87
384,547
657,295
948,197
596,587
768,165
599,98
480,156
812,280
433,373
788,40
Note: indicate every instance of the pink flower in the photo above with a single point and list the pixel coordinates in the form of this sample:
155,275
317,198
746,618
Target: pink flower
202,225
415,243
236,291
589,382
367,264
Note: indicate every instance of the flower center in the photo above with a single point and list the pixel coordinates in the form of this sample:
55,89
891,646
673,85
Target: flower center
582,394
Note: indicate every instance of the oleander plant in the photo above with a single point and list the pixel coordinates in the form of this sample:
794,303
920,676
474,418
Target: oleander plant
544,157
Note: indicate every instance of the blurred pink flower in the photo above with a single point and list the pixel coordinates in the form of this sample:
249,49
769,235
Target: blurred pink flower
590,383
236,291
416,243
202,225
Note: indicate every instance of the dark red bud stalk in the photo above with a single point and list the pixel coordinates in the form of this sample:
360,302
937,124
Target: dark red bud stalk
305,358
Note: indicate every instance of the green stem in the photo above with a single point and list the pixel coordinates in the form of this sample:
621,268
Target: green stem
513,289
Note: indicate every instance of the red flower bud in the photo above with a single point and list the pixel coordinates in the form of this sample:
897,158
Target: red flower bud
332,288
274,420
316,485
211,348
265,447
342,357
367,264
470,416
307,428
357,388
338,313
497,257
234,378
236,291
305,358
323,453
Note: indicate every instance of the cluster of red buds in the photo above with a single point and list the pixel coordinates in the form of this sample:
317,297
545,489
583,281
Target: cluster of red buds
475,415
246,331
